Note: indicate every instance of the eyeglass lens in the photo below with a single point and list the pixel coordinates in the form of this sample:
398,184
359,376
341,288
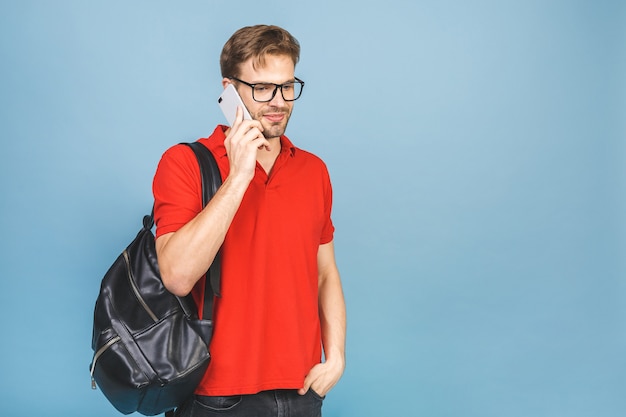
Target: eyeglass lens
265,92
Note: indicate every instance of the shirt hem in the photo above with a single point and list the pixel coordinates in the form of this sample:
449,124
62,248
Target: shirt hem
212,392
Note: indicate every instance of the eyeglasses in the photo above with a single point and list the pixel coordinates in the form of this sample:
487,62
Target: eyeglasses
264,92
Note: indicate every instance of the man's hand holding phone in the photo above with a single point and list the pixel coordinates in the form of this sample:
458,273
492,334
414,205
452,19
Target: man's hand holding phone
244,139
245,136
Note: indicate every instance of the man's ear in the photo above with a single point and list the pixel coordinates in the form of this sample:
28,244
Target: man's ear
225,82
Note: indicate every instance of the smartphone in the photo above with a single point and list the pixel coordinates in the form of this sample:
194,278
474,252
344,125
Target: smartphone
228,102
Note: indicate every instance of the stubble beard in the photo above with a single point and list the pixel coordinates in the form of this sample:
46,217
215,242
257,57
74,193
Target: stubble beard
273,130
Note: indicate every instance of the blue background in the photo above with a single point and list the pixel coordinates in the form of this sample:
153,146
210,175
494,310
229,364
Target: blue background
478,156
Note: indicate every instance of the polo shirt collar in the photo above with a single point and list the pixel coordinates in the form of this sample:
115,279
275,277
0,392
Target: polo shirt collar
220,149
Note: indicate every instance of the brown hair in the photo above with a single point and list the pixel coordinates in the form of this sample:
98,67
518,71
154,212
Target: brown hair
257,42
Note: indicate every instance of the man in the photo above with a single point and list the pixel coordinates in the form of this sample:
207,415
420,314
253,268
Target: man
281,298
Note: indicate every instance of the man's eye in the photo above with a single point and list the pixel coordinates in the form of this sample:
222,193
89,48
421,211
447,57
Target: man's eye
262,87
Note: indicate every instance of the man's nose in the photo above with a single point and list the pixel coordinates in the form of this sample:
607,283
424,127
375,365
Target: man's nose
278,99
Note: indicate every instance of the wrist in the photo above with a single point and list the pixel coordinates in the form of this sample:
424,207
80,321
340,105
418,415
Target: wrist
336,360
238,182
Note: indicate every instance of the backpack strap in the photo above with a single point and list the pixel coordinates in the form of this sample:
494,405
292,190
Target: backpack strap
211,182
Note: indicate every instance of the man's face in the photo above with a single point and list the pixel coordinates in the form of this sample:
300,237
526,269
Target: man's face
274,114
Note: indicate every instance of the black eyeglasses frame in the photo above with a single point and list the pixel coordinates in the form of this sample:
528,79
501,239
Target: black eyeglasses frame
276,87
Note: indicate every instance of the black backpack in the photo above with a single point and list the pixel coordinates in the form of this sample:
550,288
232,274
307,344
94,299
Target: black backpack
150,346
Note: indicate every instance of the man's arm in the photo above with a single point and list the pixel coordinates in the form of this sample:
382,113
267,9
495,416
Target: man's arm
185,255
332,307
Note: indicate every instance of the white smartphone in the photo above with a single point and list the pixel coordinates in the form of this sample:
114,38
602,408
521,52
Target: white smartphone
228,102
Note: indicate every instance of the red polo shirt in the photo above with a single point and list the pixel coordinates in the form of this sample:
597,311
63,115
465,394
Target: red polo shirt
267,331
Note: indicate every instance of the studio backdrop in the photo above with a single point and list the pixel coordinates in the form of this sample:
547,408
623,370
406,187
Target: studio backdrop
477,154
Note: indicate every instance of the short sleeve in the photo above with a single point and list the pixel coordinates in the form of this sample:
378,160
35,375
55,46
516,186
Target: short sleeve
177,190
